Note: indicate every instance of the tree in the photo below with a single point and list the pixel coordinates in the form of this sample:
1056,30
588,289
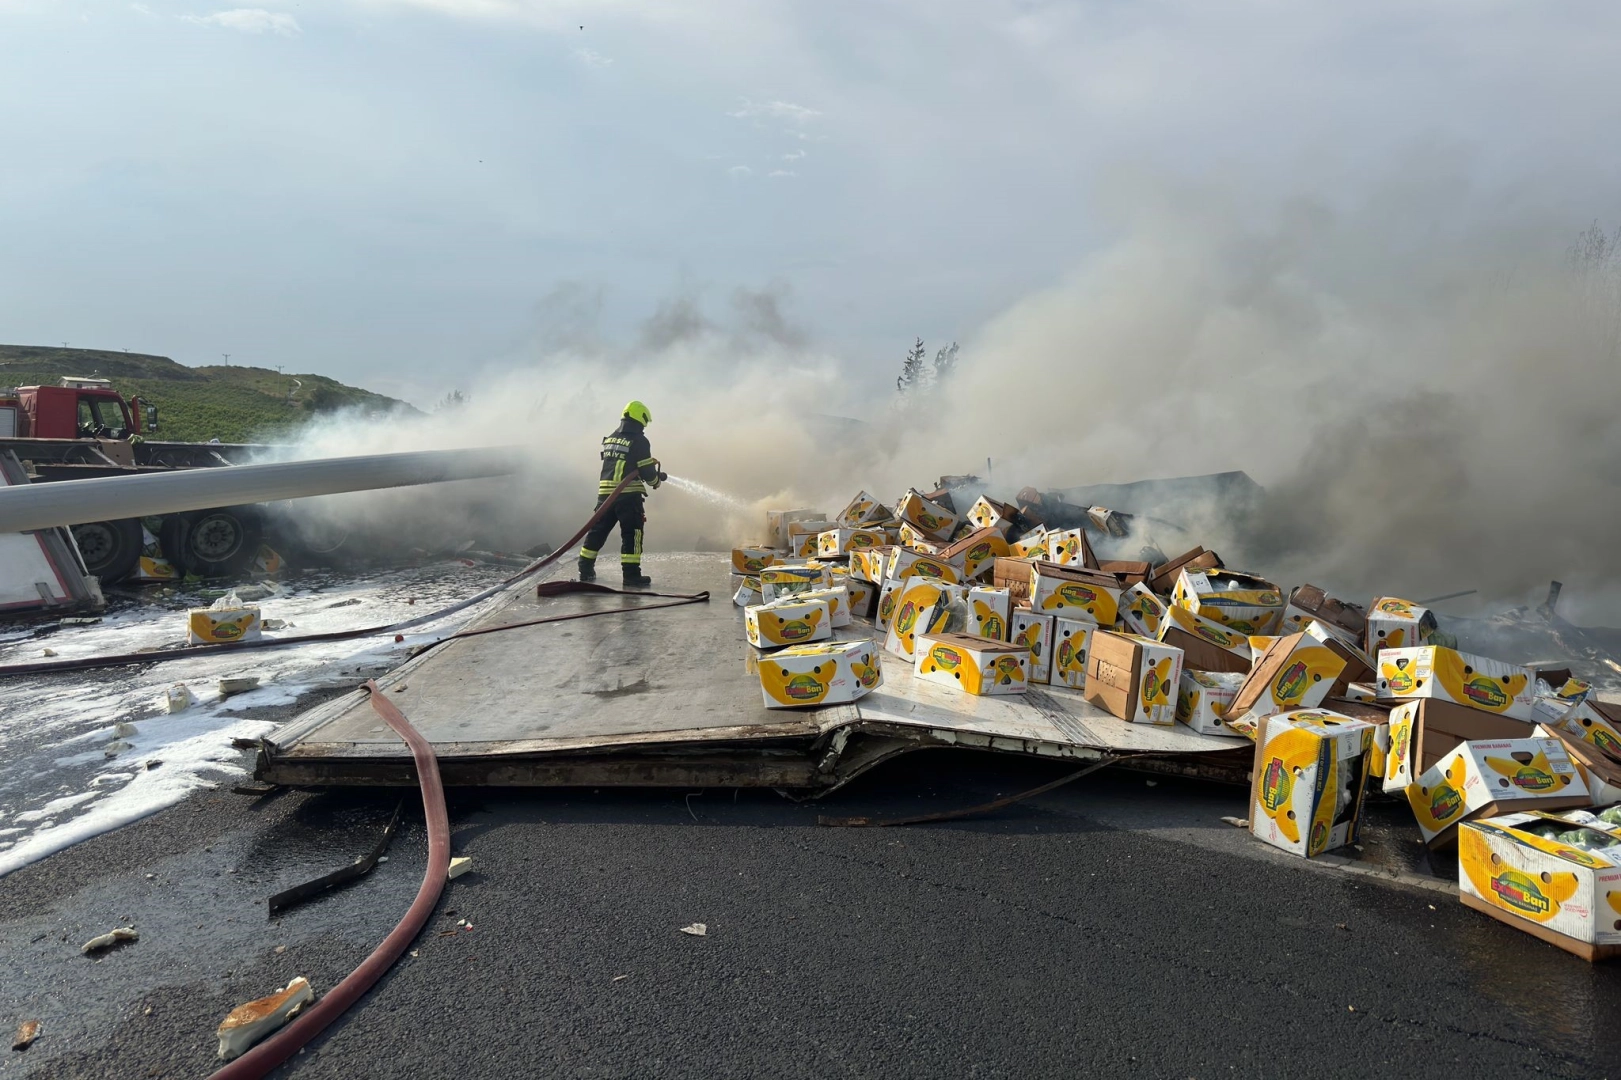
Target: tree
453,400
945,362
914,376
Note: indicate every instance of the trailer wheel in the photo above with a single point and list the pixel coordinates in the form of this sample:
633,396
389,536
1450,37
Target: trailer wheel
110,548
216,543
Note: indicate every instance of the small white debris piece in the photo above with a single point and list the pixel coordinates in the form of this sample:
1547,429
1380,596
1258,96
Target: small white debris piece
47,652
1237,822
459,866
27,1032
125,730
116,747
697,929
1152,783
109,939
617,978
239,685
274,624
177,698
250,1023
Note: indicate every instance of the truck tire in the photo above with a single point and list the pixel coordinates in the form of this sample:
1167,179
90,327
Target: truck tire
110,548
213,543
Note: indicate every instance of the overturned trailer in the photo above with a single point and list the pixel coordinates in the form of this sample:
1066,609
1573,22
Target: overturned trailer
665,698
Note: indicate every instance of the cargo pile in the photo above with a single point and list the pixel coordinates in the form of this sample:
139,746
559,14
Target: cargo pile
1517,769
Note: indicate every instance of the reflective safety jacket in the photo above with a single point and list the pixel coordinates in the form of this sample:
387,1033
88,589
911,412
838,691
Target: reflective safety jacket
627,451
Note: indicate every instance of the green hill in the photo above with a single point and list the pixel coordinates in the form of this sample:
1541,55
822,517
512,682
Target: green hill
195,404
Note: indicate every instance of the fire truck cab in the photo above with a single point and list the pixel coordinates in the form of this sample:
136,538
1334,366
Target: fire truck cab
77,408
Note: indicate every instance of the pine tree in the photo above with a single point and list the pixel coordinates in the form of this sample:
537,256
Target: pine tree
945,362
913,374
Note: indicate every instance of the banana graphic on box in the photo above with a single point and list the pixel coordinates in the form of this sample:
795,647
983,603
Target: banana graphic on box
1306,669
1535,776
990,621
1534,896
1465,685
1157,689
1439,806
797,688
770,628
1288,755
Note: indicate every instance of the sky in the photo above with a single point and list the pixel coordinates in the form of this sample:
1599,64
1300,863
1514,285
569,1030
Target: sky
408,194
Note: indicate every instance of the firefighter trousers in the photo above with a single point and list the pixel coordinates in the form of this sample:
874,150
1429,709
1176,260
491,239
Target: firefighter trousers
630,515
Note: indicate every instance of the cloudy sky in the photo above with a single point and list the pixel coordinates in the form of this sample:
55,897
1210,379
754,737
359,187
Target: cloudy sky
398,192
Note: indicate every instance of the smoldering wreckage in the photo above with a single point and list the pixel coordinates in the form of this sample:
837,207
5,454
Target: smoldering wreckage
948,618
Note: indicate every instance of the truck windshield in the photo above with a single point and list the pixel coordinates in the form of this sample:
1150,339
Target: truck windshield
102,418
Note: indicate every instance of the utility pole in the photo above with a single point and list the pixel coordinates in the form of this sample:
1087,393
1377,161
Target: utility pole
64,344
227,358
278,369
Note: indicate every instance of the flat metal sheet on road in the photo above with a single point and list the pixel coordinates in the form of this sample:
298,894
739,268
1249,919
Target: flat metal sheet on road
666,697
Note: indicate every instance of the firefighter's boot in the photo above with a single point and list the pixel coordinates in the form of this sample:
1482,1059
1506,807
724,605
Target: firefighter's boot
588,569
635,579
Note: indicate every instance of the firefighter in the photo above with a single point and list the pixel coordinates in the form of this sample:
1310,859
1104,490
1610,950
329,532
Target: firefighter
624,453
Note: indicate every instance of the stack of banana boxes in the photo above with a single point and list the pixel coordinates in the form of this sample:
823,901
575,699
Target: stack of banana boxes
1514,768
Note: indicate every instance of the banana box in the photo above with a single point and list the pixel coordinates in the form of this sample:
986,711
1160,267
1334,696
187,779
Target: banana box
920,608
1600,773
779,582
975,555
870,564
1358,664
1075,593
906,563
748,591
1553,878
1308,603
1032,545
1380,754
1164,577
777,522
1206,645
1486,778
1431,671
751,560
1239,601
152,568
1070,548
1014,576
1397,624
829,673
1134,678
987,513
1034,631
990,612
1587,722
1365,692
863,597
1297,672
916,540
972,664
1142,611
804,536
787,622
835,543
1423,732
837,598
936,522
1311,773
217,626
888,593
862,510
1071,640
1204,697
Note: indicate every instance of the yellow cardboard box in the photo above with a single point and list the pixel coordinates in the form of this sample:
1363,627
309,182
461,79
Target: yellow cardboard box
1488,777
1032,545
1311,772
782,581
974,665
1142,611
975,555
1134,678
1516,868
207,626
839,542
1069,548
1034,630
862,510
1071,641
930,518
987,513
787,622
777,522
916,540
920,608
906,563
751,560
804,536
870,564
1204,697
1430,671
1394,623
748,591
990,613
1586,722
838,603
1206,645
1074,593
863,597
1297,672
1239,601
821,674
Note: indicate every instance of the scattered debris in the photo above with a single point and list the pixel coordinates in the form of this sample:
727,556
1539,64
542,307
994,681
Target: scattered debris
47,652
116,747
249,1024
223,622
1237,822
697,929
177,698
240,684
125,730
27,1032
619,978
119,936
274,624
459,866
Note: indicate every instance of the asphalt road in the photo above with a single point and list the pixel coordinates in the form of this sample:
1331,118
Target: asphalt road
1111,927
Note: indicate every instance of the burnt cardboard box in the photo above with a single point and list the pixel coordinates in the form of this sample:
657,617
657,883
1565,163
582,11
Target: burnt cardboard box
1013,575
1308,602
1206,646
1131,573
1134,678
941,497
1164,578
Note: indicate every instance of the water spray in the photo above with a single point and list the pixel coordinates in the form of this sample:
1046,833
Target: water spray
709,494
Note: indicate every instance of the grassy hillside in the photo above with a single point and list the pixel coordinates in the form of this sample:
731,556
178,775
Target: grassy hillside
232,404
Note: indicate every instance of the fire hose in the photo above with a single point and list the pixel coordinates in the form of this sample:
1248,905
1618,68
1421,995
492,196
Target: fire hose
124,659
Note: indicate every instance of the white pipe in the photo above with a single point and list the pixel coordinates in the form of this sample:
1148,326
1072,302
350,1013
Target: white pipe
74,502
